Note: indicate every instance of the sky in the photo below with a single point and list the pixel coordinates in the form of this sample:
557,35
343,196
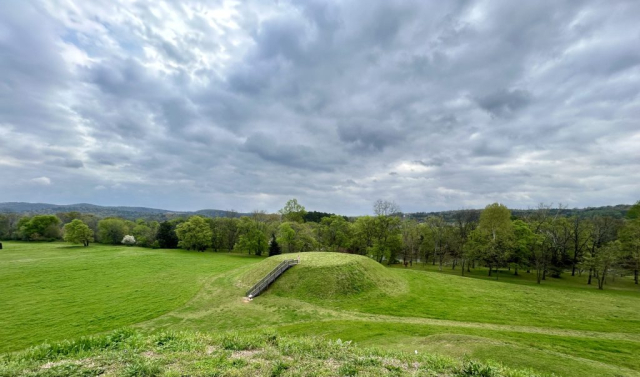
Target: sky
434,105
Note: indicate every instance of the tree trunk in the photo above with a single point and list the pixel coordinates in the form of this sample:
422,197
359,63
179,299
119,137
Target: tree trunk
590,275
516,271
635,276
462,269
490,270
601,279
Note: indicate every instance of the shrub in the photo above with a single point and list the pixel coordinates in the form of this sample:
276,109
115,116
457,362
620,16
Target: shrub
129,240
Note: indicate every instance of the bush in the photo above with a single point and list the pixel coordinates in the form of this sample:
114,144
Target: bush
129,240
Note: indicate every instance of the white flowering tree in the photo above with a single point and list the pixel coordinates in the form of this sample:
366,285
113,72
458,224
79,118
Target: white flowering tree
129,240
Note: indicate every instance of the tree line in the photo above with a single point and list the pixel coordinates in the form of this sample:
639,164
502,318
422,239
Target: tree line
543,242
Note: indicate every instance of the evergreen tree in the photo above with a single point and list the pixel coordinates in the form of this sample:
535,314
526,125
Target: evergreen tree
274,248
167,238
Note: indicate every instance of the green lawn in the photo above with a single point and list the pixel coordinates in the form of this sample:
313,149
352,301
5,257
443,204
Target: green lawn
562,326
53,291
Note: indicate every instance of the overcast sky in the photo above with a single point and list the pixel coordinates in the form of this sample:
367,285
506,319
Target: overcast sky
435,105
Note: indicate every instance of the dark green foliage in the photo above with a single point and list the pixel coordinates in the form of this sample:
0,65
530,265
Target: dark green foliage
274,248
39,228
111,231
316,216
634,211
166,237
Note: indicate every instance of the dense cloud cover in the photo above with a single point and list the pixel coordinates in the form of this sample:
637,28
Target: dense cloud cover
243,105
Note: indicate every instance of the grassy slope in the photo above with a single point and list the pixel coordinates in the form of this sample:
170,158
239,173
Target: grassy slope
130,353
54,291
566,329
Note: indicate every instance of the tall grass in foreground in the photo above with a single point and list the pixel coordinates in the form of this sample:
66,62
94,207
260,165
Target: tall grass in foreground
129,352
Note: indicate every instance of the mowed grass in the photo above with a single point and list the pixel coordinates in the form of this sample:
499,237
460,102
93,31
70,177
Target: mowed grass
53,291
559,327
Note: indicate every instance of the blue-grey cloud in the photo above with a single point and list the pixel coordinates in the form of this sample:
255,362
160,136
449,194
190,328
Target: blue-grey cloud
219,104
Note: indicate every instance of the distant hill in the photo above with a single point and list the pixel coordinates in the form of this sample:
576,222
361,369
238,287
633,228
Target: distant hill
131,213
617,211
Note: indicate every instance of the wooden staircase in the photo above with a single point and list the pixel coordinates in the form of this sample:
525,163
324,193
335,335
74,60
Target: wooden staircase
264,283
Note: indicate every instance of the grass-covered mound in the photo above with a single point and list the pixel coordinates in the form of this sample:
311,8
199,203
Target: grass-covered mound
131,353
323,275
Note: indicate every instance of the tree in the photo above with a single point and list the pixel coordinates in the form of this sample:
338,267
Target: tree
293,211
166,237
629,237
129,240
40,228
112,230
410,241
494,235
385,208
334,232
252,237
274,248
524,243
466,221
287,237
435,235
604,260
603,230
388,240
145,233
194,234
579,240
634,211
78,232
364,231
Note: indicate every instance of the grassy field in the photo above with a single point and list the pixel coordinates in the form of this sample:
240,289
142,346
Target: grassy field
52,291
563,326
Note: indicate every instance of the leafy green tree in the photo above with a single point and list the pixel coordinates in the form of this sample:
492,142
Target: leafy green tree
524,243
629,237
494,235
604,229
293,211
9,226
364,234
335,233
410,241
194,234
465,221
287,237
40,228
252,237
602,262
388,240
634,211
78,232
435,231
112,230
166,237
230,231
274,248
218,237
145,233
